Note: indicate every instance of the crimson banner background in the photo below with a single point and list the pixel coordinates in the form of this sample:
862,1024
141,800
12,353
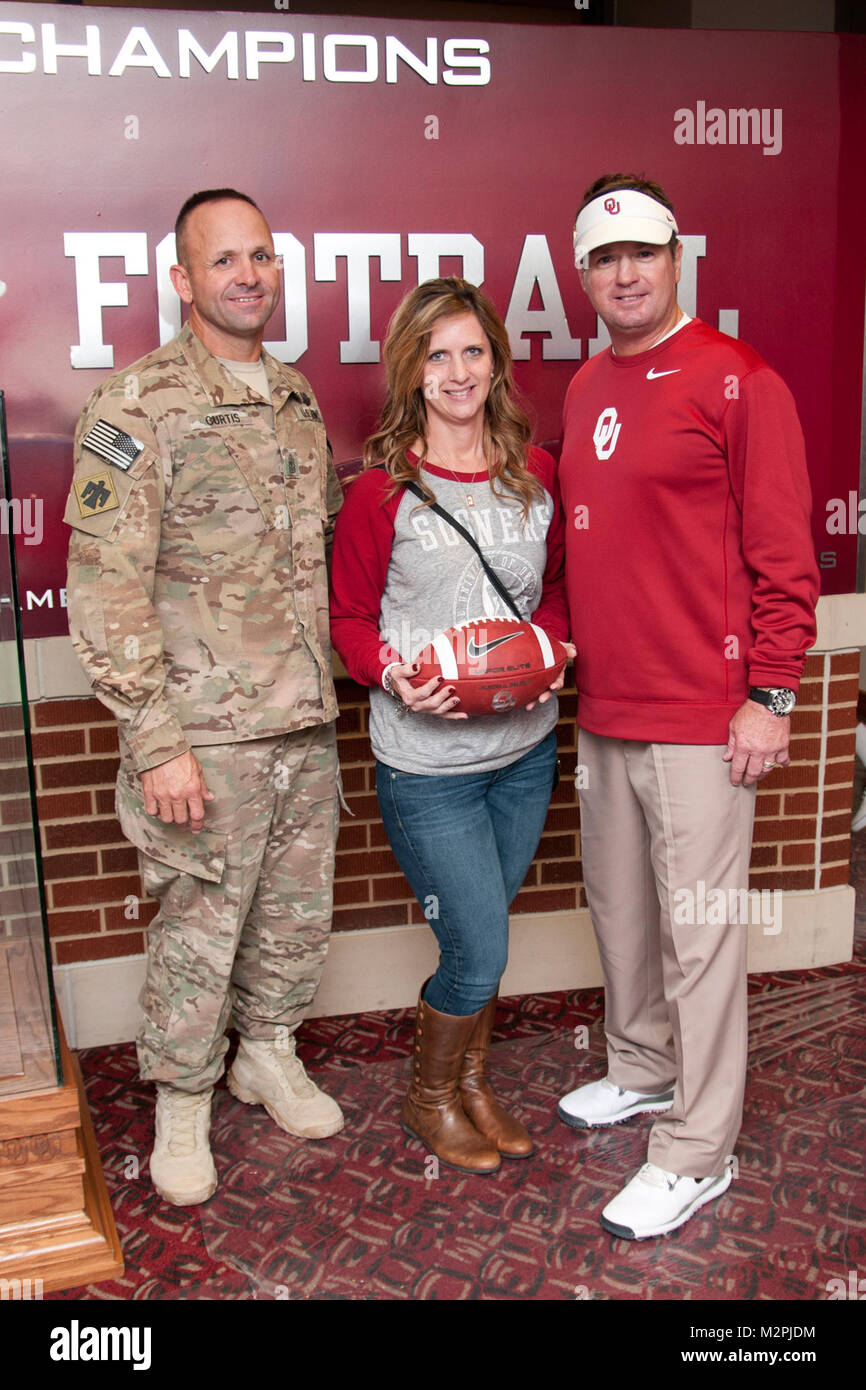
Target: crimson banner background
90,152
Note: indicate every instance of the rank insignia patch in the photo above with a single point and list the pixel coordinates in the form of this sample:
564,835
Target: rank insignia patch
113,445
95,494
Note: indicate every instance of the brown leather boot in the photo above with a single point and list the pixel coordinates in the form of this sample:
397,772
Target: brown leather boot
479,1102
432,1111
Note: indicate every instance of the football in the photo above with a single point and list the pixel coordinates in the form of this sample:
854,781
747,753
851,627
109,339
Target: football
494,664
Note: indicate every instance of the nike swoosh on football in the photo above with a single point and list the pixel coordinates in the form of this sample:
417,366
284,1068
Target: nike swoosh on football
652,373
473,650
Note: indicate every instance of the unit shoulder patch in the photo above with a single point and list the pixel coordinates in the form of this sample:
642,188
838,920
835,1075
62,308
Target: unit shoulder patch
95,494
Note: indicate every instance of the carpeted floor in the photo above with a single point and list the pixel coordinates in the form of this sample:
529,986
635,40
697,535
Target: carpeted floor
366,1216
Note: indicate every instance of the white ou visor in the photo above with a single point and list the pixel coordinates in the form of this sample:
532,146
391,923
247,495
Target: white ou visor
623,215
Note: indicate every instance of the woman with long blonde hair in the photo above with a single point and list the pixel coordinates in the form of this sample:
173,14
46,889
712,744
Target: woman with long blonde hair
463,800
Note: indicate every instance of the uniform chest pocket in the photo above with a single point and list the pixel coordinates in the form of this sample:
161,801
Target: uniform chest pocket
220,501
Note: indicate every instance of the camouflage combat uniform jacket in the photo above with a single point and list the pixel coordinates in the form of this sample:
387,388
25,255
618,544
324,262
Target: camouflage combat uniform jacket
197,590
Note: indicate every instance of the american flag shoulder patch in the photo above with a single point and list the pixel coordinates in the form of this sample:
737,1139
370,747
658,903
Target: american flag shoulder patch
113,445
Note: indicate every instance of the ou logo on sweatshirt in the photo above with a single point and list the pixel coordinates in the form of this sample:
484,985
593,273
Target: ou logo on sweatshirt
606,433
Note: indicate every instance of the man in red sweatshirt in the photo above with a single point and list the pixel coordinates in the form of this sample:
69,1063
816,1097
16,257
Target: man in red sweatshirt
692,583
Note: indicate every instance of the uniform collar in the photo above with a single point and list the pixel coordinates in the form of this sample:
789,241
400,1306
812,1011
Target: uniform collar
224,389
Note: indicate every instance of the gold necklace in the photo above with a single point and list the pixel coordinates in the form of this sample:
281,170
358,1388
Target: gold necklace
470,500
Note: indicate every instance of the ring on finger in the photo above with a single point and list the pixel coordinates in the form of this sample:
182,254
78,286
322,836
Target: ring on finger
769,765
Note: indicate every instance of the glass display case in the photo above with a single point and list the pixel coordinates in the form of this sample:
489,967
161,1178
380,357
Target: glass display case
56,1226
29,1045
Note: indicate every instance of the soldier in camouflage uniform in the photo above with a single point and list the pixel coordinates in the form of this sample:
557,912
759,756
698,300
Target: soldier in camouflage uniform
202,501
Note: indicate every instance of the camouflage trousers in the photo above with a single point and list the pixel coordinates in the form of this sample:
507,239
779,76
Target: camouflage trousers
244,908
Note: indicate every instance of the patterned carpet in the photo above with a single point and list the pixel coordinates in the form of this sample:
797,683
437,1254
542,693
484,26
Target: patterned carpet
361,1216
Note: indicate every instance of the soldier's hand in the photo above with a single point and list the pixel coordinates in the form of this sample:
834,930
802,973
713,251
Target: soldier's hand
176,791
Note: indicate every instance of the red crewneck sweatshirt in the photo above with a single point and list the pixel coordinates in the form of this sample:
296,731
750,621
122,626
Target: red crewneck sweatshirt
690,567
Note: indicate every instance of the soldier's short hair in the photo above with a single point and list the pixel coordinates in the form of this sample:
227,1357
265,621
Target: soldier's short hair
206,195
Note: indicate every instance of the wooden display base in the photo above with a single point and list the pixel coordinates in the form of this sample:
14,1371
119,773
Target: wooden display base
56,1223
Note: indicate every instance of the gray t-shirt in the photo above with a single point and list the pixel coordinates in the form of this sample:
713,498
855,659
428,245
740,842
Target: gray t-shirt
434,580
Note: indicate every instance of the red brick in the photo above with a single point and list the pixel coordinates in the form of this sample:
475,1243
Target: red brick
841,745
92,832
531,877
352,836
845,663
565,793
114,861
349,721
545,900
13,748
562,818
566,736
353,750
72,894
348,693
84,773
364,807
839,773
768,803
802,803
371,862
70,865
556,847
351,890
76,923
560,871
377,834
835,851
836,825
11,718
567,763
798,775
842,692
356,918
59,744
14,781
814,665
798,854
763,856
103,738
354,779
806,721
386,890
805,749
837,799
810,693
59,713
117,920
16,902
784,881
104,798
832,877
64,805
15,811
785,830
842,717
99,947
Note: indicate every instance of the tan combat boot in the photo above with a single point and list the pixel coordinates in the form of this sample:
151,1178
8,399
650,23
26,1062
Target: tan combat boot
432,1111
487,1115
181,1167
269,1074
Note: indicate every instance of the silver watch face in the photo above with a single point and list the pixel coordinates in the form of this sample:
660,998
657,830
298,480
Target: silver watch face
782,701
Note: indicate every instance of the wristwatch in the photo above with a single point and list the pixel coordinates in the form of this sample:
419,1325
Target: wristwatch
779,701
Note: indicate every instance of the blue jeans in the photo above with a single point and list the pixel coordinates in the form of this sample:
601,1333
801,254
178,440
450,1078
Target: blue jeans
465,843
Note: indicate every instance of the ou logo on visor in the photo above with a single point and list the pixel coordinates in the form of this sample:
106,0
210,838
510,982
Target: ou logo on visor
611,205
606,433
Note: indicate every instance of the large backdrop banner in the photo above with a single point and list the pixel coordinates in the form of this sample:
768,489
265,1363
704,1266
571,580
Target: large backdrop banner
386,152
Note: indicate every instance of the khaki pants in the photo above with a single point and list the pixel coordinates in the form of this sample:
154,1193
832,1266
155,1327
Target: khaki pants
661,826
245,909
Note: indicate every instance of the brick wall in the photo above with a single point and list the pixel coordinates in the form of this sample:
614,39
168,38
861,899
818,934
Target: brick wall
802,830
